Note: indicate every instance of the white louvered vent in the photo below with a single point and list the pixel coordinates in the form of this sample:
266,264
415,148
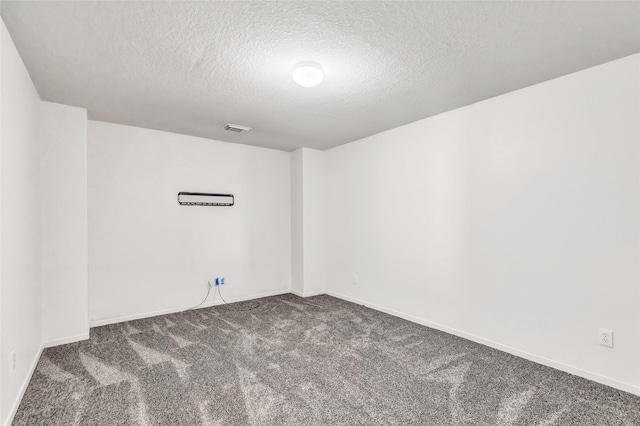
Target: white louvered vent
236,128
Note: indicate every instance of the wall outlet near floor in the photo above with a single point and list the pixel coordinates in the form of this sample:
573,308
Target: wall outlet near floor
354,279
13,360
605,337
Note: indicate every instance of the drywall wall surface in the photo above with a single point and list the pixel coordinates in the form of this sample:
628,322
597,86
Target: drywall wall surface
2,36
314,221
148,254
20,325
307,222
513,221
297,222
63,171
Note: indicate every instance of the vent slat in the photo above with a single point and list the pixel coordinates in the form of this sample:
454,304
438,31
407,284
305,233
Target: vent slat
236,128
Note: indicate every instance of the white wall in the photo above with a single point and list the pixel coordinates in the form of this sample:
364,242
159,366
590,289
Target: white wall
513,221
147,254
308,222
297,222
314,221
63,172
21,312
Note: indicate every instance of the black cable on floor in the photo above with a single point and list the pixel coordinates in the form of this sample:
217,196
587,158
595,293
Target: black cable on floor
256,304
203,300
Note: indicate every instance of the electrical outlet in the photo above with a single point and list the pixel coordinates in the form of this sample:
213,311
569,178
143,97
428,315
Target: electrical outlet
221,280
605,337
13,360
355,279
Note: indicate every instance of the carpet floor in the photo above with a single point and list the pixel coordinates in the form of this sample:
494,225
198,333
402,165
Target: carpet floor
295,361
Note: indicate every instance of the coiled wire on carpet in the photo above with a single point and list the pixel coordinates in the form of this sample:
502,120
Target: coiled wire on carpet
256,304
209,286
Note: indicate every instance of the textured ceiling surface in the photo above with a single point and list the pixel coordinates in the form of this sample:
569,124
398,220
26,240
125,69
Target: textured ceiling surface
191,67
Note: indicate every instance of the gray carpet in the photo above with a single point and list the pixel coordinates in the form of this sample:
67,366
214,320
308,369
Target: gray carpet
294,361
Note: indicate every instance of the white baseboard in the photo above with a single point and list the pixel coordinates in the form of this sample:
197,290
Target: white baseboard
309,294
107,321
65,340
504,348
23,388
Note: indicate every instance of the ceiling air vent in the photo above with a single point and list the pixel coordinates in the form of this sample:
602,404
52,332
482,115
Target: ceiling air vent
236,128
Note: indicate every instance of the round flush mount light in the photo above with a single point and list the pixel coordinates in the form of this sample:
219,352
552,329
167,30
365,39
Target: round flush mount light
307,74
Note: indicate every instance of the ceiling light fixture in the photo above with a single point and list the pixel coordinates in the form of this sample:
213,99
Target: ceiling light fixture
307,74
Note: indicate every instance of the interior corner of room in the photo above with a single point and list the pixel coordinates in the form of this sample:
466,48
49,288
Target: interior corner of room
512,222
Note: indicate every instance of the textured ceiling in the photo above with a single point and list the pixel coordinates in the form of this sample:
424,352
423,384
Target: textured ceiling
191,67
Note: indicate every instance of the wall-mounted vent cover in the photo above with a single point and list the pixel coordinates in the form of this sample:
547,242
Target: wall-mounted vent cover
236,128
205,199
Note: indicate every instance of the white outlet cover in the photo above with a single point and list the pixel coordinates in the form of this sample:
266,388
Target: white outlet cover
355,279
605,337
